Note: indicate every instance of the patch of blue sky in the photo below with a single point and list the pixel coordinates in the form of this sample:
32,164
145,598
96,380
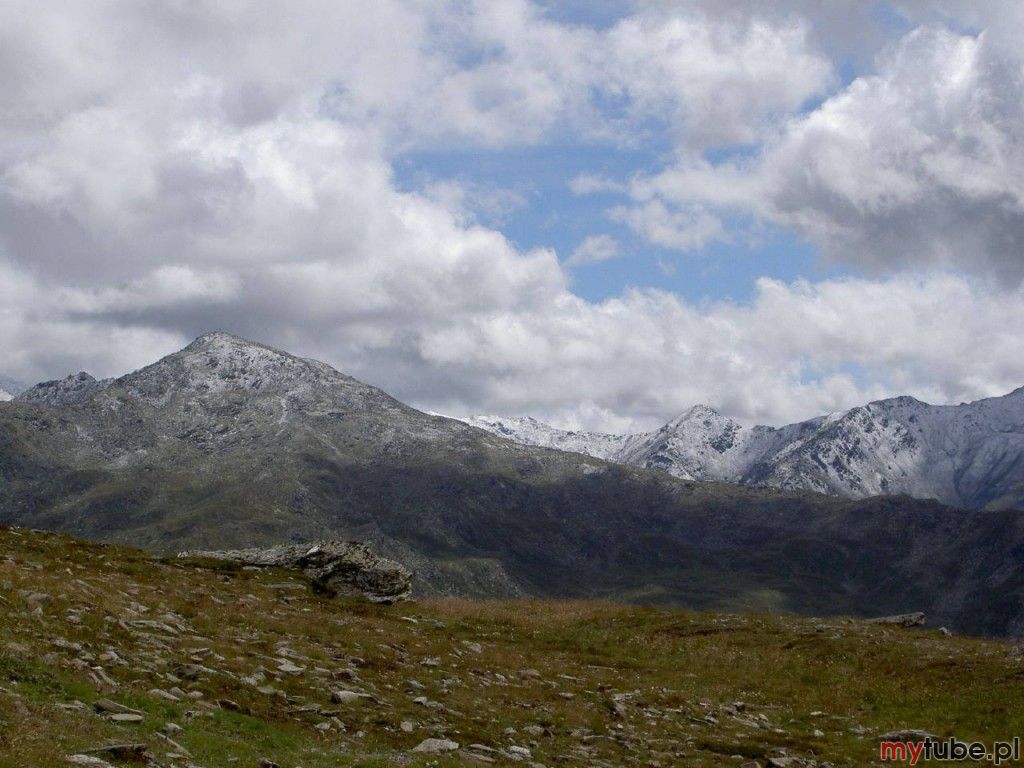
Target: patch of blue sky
545,213
551,214
726,270
599,14
891,18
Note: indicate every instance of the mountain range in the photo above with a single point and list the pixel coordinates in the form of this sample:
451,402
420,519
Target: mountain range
230,443
969,455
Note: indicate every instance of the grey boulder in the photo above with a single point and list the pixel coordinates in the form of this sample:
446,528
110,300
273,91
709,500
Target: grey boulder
336,567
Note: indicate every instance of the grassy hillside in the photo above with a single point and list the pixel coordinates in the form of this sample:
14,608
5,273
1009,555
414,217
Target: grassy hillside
215,665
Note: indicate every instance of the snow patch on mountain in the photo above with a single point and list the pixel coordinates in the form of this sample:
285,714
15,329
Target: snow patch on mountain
528,431
5,396
969,455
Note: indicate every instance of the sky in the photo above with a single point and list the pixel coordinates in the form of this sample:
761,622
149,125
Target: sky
595,213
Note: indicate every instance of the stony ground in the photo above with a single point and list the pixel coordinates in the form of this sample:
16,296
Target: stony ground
191,663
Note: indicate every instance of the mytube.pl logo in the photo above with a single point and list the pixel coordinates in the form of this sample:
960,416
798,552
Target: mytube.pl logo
912,752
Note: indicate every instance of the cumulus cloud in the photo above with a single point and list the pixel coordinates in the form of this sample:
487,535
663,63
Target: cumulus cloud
593,250
919,164
799,349
169,169
682,227
719,83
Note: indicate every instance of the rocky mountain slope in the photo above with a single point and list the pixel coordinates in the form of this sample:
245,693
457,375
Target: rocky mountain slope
110,657
229,444
528,431
969,455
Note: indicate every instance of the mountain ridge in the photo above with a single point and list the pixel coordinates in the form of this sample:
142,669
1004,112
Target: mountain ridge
969,455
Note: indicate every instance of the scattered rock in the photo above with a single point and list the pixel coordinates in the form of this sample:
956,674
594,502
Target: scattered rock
907,734
915,619
345,697
106,706
289,668
125,717
178,749
35,599
435,746
131,752
88,760
191,671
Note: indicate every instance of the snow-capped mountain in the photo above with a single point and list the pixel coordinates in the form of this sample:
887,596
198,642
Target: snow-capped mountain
969,455
528,431
5,395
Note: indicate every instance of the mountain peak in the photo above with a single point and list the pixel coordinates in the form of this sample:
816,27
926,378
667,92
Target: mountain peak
220,362
700,411
219,366
697,413
220,348
71,390
902,401
222,340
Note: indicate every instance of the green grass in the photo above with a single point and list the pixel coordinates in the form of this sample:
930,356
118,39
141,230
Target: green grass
579,683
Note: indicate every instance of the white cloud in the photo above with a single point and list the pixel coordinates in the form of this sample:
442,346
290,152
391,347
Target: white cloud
920,164
719,83
681,228
474,202
593,250
590,183
796,350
